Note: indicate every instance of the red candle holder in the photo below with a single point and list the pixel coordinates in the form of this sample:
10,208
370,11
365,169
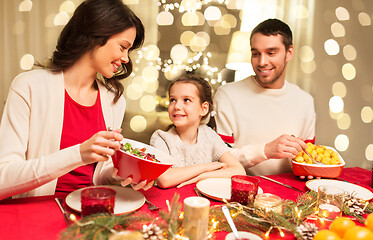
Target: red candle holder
97,200
244,189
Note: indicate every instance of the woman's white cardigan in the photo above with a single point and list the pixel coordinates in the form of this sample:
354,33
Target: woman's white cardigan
30,135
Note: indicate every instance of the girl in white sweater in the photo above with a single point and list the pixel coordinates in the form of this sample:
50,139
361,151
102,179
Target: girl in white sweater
198,152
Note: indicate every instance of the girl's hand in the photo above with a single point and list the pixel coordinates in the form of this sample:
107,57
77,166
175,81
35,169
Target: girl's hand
100,146
127,181
212,166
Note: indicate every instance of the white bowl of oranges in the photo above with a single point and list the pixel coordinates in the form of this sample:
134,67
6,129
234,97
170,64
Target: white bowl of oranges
326,162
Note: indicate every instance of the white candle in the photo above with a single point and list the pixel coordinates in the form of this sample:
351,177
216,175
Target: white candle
329,211
268,201
196,217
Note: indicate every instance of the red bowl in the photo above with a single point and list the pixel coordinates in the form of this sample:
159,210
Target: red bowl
140,169
318,170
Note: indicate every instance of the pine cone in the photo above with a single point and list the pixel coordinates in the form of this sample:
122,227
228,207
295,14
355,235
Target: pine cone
354,204
308,230
152,232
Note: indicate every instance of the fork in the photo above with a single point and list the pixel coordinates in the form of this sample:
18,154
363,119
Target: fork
151,206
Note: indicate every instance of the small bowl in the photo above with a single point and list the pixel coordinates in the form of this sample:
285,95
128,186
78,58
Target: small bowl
243,235
318,170
140,169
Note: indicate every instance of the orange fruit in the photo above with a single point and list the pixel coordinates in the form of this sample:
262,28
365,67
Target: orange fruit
341,225
358,233
326,235
369,221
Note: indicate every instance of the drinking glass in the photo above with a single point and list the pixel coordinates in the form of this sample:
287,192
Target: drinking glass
244,189
97,200
330,201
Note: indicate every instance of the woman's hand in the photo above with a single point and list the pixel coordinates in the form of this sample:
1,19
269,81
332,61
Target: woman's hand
127,181
100,146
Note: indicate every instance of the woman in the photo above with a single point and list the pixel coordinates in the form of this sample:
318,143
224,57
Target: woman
53,136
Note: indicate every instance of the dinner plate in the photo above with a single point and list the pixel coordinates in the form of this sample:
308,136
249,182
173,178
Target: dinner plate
126,199
217,188
358,191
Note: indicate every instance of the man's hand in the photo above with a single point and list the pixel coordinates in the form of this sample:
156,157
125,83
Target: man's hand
285,146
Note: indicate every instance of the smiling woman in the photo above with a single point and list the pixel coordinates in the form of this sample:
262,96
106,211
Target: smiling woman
53,137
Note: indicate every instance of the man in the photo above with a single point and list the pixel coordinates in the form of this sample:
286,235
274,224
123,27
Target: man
266,119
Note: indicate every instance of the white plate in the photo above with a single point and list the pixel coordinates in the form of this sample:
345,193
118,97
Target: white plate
360,192
241,234
126,199
217,188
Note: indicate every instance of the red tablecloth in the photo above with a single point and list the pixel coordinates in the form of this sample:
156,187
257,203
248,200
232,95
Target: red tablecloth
40,218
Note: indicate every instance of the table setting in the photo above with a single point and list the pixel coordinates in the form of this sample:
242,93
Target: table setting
280,206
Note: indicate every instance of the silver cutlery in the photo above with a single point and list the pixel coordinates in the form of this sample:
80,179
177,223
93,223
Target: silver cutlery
151,206
198,193
63,210
283,184
228,216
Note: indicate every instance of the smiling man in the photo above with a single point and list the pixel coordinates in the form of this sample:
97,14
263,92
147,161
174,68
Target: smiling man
265,118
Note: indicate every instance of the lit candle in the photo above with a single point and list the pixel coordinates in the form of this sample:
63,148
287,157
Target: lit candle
268,201
196,217
329,211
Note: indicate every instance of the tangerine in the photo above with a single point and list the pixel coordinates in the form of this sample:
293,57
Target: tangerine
341,225
326,235
369,221
358,233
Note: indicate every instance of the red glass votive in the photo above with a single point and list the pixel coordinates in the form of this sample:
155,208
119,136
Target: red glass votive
244,189
97,200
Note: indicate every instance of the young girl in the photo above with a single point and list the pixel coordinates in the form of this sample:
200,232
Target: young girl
197,150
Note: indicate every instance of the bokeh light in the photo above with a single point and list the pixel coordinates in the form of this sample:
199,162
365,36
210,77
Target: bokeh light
339,89
344,121
138,123
336,104
364,19
25,6
342,14
198,44
369,152
189,19
148,103
222,28
212,13
341,142
331,47
367,114
150,74
186,37
348,71
308,67
165,18
337,29
67,6
229,19
179,53
306,54
349,52
134,91
151,52
27,61
61,19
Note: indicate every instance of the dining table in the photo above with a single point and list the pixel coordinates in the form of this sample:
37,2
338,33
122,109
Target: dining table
41,218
